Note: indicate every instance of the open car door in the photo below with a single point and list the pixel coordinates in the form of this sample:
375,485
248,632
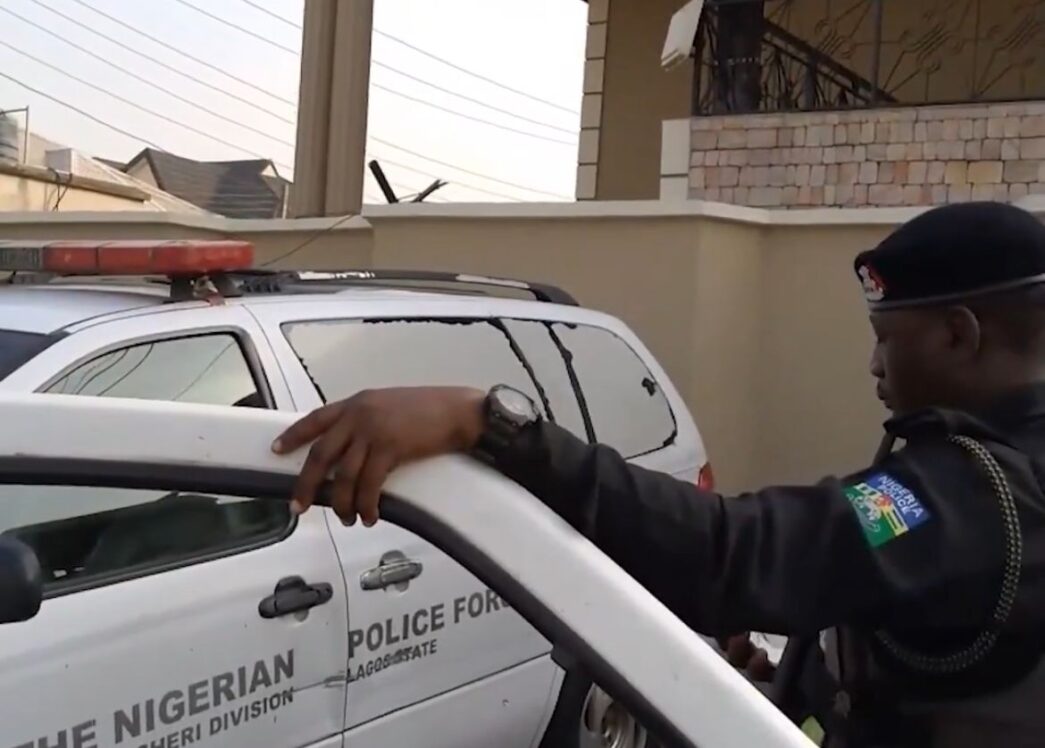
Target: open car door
60,449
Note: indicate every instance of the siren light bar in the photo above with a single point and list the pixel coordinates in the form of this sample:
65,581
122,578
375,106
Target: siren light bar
187,257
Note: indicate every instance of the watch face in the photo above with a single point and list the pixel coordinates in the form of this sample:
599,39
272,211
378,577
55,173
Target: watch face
515,405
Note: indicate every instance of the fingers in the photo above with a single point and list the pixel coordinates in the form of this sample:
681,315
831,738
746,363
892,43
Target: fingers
325,452
760,668
308,428
380,462
343,488
739,650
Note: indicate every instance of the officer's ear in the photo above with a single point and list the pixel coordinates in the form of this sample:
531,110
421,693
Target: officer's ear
964,332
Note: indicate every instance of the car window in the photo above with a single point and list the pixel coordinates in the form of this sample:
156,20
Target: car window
344,357
208,369
549,367
628,409
88,536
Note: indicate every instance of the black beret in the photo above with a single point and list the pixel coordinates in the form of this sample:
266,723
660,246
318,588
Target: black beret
953,252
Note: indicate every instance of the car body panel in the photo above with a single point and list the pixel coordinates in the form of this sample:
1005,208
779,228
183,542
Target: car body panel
559,581
497,644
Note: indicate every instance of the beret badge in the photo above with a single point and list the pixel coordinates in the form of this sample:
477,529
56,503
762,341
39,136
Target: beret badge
874,288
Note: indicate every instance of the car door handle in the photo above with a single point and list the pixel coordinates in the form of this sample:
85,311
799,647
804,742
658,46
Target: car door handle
293,594
391,572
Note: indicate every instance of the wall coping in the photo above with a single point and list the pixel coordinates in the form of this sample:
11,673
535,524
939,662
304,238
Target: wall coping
205,222
608,210
611,209
79,181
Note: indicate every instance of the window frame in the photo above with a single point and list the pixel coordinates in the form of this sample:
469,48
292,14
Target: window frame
248,349
74,473
242,338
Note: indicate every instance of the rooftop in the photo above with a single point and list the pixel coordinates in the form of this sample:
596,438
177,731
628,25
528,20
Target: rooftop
51,161
237,189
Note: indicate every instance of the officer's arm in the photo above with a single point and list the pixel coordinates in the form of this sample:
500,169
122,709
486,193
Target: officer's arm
787,559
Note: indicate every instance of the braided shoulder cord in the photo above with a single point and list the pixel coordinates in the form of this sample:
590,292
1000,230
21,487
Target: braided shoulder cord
985,641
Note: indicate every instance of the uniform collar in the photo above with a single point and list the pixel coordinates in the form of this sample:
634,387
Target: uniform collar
1010,409
1020,404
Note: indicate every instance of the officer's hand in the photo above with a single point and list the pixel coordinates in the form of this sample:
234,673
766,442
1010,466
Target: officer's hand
362,439
742,654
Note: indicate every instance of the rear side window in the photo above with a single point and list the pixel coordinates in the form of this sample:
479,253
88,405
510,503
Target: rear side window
344,357
625,405
628,409
207,369
549,368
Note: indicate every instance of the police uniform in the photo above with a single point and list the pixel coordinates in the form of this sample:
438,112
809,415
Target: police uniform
928,568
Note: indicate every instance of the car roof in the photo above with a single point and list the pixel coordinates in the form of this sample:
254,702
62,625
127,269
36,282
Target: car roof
46,309
59,306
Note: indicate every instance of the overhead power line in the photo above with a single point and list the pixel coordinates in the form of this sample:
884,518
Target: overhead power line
480,120
463,185
138,106
79,111
278,45
230,24
473,100
153,144
277,16
422,81
147,141
426,53
474,74
464,170
140,78
172,48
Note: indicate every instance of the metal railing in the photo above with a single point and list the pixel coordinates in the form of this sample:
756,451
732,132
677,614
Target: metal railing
808,55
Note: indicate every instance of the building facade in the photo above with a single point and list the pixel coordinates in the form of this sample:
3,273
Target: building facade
817,103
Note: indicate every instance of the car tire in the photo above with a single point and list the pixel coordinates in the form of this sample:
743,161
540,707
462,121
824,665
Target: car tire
586,717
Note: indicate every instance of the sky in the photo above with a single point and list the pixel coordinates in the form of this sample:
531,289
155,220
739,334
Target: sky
246,74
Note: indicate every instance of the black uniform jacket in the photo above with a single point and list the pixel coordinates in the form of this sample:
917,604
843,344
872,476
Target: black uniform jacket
917,543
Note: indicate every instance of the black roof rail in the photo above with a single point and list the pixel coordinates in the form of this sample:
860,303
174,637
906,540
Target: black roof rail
262,281
274,281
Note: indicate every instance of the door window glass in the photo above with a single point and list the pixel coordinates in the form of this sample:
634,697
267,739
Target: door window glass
91,535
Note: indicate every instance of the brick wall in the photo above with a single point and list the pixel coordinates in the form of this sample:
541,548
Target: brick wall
884,157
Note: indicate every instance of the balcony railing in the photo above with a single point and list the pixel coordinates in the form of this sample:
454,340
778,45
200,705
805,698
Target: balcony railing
808,55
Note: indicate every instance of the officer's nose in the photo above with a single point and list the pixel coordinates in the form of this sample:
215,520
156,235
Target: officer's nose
877,363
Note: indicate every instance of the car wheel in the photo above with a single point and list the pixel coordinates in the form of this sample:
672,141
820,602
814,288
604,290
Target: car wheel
587,717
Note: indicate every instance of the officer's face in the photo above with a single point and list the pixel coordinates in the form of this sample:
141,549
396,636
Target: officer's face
913,359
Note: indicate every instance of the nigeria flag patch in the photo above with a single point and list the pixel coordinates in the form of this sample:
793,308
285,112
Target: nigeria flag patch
886,508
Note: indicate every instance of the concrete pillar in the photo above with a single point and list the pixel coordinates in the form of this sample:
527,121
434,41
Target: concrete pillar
332,108
349,89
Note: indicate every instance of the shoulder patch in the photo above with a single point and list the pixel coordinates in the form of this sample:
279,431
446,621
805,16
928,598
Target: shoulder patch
887,509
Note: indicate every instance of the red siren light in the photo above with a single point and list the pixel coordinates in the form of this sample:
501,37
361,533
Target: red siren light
188,257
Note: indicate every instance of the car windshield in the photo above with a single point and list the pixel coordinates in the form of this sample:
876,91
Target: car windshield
17,347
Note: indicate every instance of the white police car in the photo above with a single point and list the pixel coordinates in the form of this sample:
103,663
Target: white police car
141,666
174,618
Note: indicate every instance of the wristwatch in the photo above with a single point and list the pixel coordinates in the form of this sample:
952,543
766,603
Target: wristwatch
507,412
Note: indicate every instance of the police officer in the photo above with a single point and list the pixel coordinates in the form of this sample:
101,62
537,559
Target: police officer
928,567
